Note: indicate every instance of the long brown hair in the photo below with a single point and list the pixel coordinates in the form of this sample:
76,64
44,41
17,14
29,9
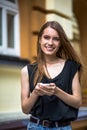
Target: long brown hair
65,51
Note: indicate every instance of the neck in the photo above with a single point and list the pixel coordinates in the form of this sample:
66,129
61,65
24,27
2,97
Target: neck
51,60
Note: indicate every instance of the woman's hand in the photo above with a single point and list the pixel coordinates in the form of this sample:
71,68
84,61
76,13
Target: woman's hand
45,89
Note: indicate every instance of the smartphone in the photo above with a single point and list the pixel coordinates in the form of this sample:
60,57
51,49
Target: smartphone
44,84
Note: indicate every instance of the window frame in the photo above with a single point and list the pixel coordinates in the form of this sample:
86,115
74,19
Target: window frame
13,9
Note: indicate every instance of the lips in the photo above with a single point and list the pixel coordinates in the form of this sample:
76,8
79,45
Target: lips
48,48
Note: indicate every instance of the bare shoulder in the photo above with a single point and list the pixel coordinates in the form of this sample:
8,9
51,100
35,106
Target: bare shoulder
24,71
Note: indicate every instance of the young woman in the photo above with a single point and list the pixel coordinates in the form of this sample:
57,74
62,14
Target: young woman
50,87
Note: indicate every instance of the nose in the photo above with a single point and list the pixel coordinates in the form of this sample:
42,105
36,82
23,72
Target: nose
50,41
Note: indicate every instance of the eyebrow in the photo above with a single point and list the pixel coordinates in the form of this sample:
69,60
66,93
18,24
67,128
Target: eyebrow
50,36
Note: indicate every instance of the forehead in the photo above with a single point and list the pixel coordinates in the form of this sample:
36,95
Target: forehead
50,31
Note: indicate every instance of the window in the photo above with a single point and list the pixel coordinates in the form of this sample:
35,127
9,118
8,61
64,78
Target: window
0,27
9,28
13,1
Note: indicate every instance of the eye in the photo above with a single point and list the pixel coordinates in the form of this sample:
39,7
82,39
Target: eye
46,37
56,38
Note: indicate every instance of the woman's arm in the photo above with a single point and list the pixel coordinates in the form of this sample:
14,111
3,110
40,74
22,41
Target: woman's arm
27,100
74,100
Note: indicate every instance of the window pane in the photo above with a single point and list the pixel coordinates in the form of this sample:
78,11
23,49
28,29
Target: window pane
10,30
13,1
0,26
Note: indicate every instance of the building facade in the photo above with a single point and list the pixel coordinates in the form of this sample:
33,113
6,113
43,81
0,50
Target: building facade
20,21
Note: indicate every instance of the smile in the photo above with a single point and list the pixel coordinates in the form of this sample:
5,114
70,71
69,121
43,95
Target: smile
50,48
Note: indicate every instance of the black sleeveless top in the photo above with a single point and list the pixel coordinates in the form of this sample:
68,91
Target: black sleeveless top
51,107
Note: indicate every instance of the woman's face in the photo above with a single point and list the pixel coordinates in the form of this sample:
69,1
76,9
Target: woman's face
50,41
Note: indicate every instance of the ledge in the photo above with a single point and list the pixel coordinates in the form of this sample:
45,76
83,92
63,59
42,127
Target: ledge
82,113
11,116
19,120
11,60
81,122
